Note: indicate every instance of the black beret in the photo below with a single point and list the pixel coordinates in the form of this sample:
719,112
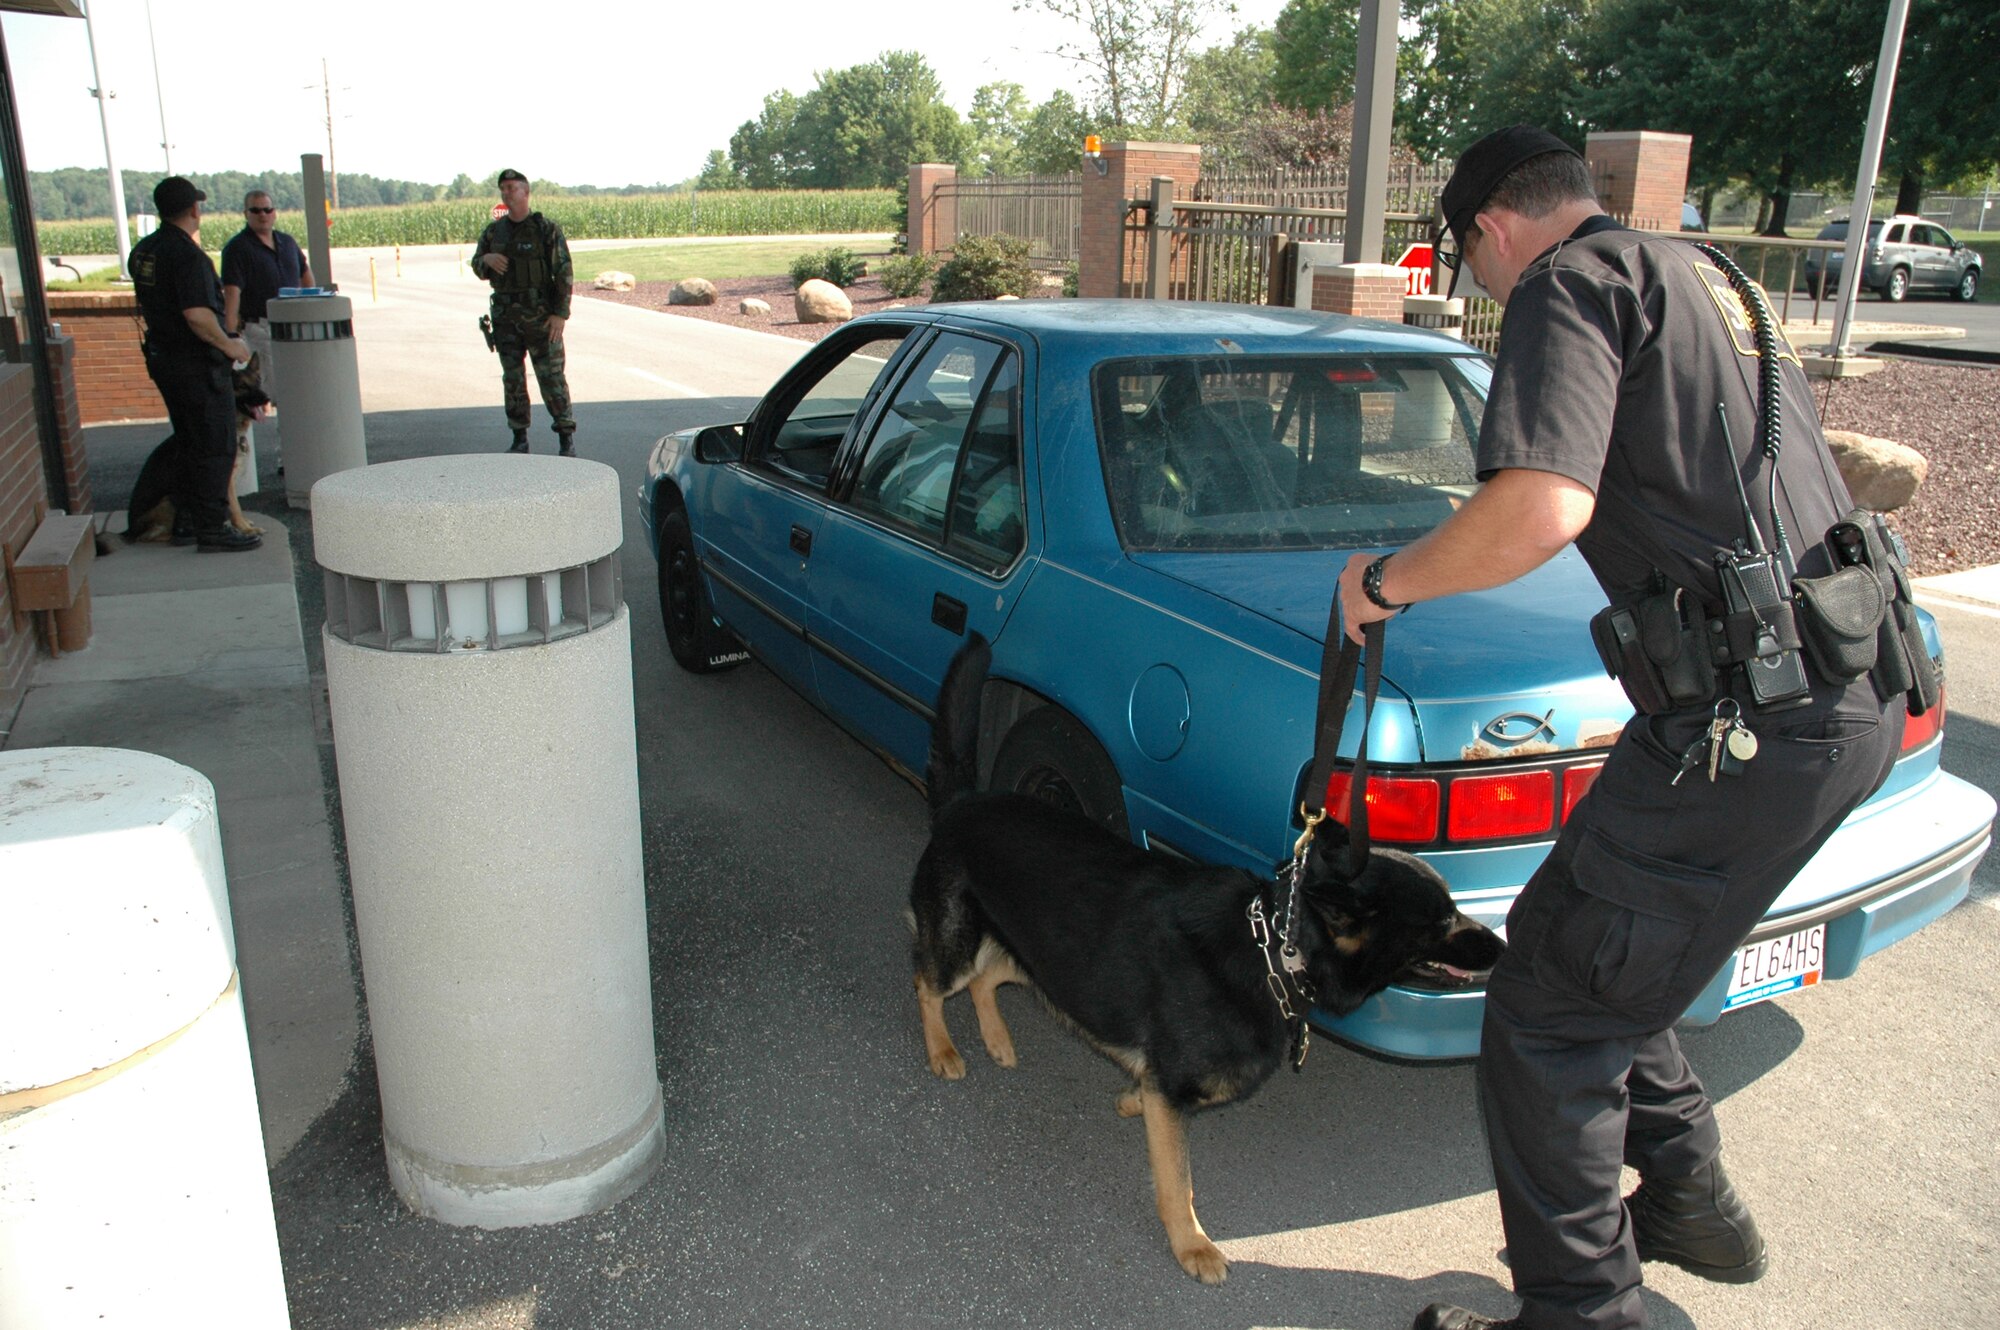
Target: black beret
1484,165
511,174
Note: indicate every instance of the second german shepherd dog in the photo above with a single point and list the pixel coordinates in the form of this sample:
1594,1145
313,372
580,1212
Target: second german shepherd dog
1151,959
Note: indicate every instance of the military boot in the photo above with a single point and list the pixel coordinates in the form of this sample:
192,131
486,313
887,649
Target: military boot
1444,1316
567,444
1699,1224
520,442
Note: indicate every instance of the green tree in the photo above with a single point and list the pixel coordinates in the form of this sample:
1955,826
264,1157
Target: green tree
863,126
998,119
1052,139
766,150
1137,52
1228,85
1313,43
1940,127
718,172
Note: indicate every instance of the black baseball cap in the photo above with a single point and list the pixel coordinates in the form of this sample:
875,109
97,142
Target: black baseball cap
511,174
1484,165
175,195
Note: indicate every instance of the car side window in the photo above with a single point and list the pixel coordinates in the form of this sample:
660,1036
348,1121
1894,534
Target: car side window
1894,235
986,525
910,467
804,443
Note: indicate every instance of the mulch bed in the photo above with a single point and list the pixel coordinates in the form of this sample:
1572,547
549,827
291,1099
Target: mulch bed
1950,414
1946,412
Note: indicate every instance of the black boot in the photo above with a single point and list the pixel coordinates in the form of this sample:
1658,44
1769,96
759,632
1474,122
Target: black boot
520,442
568,445
226,539
1699,1224
1444,1316
183,528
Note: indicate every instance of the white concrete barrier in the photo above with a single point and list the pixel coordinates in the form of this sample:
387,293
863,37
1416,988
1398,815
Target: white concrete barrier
312,347
479,671
132,1182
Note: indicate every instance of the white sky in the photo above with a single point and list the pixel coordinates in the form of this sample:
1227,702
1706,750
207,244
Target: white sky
621,92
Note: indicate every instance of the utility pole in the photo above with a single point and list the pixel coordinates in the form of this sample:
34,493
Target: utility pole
1864,182
158,91
332,174
123,232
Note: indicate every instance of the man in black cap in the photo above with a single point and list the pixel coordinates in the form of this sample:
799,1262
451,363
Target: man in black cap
1602,428
189,356
525,257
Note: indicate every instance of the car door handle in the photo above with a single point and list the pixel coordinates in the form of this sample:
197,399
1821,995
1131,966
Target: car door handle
948,613
802,541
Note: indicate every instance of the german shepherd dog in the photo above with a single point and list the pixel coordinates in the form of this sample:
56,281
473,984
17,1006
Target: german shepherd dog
149,516
1151,959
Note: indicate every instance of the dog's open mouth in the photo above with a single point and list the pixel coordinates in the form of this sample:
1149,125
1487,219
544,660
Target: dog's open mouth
1438,975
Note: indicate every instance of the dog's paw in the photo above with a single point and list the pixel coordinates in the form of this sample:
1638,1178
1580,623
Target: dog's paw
1129,1104
948,1065
1002,1051
247,527
1205,1262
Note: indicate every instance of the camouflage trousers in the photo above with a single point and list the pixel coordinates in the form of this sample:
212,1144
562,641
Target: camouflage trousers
520,336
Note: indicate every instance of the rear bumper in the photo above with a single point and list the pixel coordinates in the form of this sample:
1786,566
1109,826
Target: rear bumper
1411,1024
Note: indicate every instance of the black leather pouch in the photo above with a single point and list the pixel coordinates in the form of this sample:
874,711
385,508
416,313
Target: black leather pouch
1840,618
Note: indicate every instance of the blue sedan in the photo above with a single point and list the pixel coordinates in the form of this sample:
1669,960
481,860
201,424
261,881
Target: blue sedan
1145,506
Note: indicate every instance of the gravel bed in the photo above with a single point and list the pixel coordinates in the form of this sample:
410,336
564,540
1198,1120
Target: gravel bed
1949,413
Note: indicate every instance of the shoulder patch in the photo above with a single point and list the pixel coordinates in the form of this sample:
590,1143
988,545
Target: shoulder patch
1735,317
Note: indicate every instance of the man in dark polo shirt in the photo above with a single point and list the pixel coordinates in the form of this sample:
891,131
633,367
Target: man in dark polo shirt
257,263
189,356
1602,429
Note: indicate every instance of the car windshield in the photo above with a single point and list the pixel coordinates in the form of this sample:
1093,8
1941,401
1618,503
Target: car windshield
1838,231
1294,452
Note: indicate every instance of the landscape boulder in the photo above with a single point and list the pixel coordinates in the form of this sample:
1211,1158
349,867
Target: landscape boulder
691,291
613,280
821,301
752,305
1881,474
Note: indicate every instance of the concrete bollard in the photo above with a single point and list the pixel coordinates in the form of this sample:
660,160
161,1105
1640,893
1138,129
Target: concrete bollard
312,341
132,1183
479,672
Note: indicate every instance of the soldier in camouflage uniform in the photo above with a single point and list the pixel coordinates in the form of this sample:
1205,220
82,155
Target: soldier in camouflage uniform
526,258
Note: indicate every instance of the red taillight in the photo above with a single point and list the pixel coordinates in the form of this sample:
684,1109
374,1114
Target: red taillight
1521,803
1576,783
1920,730
1398,809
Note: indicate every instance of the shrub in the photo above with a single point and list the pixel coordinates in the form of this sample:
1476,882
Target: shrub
906,275
983,267
1069,276
837,265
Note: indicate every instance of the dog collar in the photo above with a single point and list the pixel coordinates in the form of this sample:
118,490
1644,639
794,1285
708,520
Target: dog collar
1284,968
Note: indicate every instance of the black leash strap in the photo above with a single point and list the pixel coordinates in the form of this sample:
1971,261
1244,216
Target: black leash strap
1337,667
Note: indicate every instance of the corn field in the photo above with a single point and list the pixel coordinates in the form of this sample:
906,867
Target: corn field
582,217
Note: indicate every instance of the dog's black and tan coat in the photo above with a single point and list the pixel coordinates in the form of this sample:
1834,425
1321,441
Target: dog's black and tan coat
1149,958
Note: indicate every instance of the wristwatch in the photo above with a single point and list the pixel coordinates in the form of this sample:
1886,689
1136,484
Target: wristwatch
1371,587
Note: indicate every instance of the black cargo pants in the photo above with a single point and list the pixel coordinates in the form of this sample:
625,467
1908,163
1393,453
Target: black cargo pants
1648,891
201,405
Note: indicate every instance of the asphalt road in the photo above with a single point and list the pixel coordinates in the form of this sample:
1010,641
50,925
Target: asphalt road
816,1173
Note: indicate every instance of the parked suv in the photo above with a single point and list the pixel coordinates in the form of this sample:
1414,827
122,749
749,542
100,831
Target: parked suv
1903,254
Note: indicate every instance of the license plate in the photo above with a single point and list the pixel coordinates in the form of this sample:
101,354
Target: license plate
1778,965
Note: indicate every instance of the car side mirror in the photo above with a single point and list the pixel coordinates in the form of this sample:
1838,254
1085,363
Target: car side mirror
719,443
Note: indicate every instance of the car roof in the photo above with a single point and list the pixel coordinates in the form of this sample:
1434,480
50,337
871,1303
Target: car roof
1176,327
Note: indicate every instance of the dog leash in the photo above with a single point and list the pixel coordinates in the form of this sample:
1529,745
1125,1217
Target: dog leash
1284,964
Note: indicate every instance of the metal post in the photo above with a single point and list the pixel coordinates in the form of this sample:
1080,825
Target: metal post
123,231
313,180
1374,112
1160,265
1864,179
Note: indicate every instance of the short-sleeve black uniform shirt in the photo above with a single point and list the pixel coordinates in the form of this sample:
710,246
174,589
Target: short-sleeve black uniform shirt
171,274
1615,350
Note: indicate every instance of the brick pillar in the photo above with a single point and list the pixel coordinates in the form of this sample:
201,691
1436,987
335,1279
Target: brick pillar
1640,176
109,370
933,217
1364,290
1104,268
69,422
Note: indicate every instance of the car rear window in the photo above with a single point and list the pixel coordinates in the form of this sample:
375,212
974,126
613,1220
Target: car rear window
1325,452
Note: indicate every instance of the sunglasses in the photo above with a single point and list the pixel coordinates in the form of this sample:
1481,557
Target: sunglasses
1448,253
260,210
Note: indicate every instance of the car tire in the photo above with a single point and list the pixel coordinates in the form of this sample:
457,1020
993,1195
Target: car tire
1051,756
1897,286
699,645
1968,286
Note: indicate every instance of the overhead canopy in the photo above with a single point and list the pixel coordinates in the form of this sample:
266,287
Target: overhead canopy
53,8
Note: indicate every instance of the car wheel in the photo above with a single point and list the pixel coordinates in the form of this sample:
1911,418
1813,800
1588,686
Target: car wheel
1968,286
698,645
1897,286
1050,756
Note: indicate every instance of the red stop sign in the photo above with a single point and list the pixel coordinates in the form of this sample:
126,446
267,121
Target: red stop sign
500,210
1418,259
